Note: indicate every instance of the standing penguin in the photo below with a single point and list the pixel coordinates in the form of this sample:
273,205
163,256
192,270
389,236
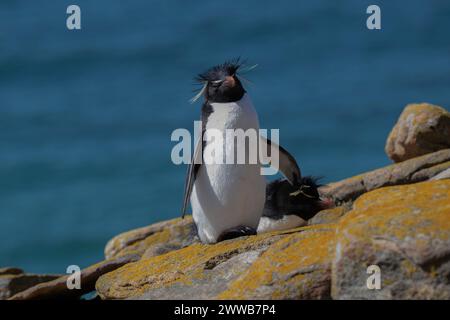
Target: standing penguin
227,199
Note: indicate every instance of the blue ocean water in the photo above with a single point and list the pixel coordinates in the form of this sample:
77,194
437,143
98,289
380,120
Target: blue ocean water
86,116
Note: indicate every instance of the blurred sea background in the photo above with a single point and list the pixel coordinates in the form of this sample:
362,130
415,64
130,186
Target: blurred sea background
86,116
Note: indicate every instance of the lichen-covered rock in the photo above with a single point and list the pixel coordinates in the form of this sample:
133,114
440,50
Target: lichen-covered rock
330,215
208,271
413,170
153,240
422,128
405,230
298,266
14,280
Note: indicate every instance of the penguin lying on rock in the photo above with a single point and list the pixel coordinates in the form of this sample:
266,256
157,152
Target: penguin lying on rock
289,206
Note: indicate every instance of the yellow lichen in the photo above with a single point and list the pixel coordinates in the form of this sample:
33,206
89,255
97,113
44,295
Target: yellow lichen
285,261
400,211
183,266
174,267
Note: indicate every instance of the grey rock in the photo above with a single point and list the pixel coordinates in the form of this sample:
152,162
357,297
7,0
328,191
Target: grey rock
16,282
10,270
57,287
410,171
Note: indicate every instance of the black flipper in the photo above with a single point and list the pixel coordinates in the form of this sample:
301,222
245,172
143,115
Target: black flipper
287,164
196,160
236,233
192,170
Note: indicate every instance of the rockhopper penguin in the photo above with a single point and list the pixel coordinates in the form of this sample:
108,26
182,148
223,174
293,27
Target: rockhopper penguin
227,200
289,206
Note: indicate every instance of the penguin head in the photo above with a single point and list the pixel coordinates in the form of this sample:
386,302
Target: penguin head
221,83
302,199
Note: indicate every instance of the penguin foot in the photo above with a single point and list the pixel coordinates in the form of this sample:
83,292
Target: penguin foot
236,233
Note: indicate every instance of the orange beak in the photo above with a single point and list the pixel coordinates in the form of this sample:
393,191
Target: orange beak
230,81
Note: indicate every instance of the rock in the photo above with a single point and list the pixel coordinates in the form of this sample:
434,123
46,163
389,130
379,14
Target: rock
57,288
202,271
153,240
422,128
443,175
14,280
405,230
10,270
414,170
330,215
296,267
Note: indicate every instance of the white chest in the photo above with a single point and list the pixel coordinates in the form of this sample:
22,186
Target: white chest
233,115
225,124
